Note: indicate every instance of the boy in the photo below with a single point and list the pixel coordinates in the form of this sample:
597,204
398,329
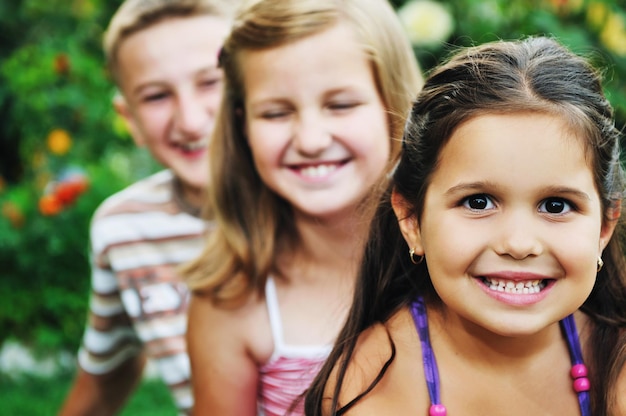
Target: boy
162,55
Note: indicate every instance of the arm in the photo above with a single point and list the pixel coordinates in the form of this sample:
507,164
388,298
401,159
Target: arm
110,358
224,374
100,395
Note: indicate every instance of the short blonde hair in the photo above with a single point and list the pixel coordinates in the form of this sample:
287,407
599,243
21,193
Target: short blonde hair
137,15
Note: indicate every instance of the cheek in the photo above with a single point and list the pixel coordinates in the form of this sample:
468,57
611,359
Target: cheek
267,145
373,145
578,257
153,122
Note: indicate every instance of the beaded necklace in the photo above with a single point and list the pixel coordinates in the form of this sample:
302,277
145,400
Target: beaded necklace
431,372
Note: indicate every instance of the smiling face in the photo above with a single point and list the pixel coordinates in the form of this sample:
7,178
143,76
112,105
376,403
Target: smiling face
172,88
315,122
512,223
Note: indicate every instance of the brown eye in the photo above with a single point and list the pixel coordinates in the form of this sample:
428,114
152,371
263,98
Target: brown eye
478,202
555,206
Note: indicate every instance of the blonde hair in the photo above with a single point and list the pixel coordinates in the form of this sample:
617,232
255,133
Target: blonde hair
251,220
137,15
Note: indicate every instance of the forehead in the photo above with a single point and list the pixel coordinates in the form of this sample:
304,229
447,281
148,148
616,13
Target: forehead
331,56
523,149
170,48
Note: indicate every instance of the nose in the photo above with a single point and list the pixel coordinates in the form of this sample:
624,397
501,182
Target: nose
518,235
192,116
311,136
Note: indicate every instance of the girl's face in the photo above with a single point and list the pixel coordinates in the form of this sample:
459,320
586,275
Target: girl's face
512,223
315,122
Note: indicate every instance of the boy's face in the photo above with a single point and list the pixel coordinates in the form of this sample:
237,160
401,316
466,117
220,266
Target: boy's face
172,89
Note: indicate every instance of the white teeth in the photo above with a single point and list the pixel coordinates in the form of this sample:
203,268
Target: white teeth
193,146
509,286
317,171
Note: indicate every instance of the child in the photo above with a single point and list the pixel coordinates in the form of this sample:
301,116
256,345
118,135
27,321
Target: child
506,198
317,93
163,57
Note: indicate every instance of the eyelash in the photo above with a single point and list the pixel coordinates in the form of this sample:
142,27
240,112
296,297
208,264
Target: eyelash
465,202
155,97
339,106
569,205
342,105
210,82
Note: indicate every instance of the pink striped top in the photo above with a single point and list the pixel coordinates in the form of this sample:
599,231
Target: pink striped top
289,371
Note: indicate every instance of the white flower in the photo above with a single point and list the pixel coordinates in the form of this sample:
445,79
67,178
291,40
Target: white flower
427,22
17,360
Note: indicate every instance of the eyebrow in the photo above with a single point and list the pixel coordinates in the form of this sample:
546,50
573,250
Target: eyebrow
481,186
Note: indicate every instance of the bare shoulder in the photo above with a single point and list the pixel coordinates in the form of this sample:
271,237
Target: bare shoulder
244,327
225,347
372,367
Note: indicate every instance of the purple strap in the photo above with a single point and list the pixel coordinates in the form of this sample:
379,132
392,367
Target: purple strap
418,311
576,356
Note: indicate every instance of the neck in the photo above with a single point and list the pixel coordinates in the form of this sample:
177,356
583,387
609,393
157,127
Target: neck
330,249
481,345
187,197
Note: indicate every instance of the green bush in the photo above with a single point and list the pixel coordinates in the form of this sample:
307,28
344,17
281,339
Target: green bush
152,397
56,125
594,28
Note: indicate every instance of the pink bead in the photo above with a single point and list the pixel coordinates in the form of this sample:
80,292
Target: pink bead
582,384
578,371
437,410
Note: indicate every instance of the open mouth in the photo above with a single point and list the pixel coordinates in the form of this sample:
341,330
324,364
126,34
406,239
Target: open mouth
318,171
191,147
515,287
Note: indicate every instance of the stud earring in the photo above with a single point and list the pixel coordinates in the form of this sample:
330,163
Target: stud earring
412,257
600,264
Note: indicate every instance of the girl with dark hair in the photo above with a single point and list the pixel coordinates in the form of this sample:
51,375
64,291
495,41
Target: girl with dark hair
493,281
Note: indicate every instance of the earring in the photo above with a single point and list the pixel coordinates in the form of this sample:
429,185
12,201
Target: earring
600,264
412,257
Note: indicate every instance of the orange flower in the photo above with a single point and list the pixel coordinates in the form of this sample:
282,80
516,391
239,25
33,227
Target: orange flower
50,204
13,213
59,141
62,64
68,191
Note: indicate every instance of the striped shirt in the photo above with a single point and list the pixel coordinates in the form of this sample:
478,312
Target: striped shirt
290,370
138,302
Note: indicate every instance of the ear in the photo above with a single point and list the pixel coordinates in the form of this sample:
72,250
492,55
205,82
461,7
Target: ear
123,110
609,223
408,222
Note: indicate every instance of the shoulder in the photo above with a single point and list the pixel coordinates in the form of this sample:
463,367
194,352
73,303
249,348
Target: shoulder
386,366
145,211
376,356
243,328
149,191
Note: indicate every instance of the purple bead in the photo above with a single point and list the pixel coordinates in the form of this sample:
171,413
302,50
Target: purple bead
578,371
437,410
582,384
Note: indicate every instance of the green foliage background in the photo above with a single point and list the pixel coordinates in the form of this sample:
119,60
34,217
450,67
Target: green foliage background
52,77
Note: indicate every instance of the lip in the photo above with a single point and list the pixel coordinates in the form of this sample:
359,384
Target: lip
318,171
516,299
190,153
